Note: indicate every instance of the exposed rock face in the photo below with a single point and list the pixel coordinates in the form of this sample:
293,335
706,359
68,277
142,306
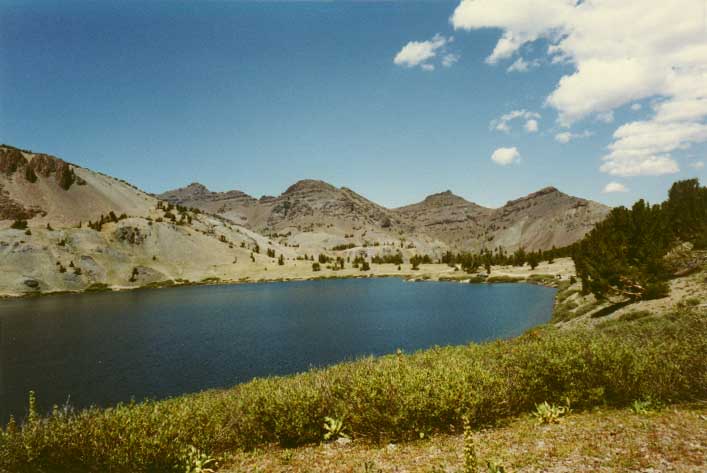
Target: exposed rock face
544,219
46,165
305,204
439,212
10,209
540,220
235,205
31,283
129,234
48,190
147,275
309,202
198,194
12,161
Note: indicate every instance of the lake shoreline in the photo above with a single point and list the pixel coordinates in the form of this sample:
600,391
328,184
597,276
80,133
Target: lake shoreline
545,274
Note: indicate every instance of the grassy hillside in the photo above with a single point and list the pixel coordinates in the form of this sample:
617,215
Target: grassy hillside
602,439
380,400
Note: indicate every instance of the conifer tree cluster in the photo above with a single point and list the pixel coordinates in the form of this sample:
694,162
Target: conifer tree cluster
623,256
396,258
111,217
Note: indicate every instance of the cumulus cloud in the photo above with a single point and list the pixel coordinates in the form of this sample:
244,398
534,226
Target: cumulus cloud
531,126
422,53
636,107
503,123
614,187
621,53
506,156
567,136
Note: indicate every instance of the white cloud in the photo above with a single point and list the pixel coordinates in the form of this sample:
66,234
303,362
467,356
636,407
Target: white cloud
606,117
636,107
531,126
521,65
450,59
681,110
503,123
563,137
645,147
622,52
640,166
614,187
697,165
505,156
567,136
421,53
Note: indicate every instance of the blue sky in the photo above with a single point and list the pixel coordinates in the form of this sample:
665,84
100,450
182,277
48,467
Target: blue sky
253,96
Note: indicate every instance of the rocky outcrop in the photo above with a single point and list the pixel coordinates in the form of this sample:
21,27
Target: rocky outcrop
48,190
10,209
46,165
196,194
129,234
13,161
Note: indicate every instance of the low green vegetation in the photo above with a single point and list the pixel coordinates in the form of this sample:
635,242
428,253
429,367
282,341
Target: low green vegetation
98,287
504,279
391,398
544,279
476,279
19,224
546,413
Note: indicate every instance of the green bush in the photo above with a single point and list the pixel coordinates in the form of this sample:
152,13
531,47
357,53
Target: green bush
391,398
656,290
541,278
503,279
19,224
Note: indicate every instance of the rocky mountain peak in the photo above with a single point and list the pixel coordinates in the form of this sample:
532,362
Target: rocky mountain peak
545,192
308,186
444,199
197,187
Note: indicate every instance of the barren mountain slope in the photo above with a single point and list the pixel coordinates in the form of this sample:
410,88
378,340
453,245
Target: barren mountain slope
132,252
314,216
450,218
544,219
234,205
49,190
539,220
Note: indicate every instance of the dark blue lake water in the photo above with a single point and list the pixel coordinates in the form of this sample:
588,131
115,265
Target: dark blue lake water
108,347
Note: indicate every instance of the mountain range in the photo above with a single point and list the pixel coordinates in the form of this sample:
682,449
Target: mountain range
314,212
84,228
